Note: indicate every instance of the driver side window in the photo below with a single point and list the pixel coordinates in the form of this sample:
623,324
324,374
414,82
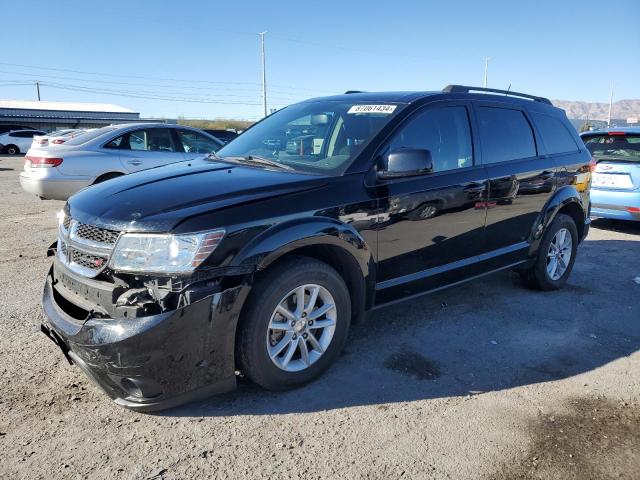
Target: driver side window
444,131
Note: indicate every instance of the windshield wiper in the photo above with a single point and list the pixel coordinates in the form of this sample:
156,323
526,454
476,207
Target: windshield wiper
252,159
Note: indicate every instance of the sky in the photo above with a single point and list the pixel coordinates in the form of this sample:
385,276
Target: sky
201,59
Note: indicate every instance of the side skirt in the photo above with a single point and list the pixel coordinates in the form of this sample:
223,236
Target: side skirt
448,285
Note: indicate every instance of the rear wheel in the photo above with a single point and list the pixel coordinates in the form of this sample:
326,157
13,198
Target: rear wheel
556,256
12,149
295,324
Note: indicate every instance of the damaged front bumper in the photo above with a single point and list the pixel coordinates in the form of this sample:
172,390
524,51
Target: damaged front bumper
150,362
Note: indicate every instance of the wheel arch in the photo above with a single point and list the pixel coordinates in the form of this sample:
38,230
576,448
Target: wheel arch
325,239
107,176
566,200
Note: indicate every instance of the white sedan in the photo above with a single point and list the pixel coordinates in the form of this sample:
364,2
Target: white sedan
59,171
18,141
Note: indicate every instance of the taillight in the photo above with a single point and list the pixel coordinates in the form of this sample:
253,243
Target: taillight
58,141
592,165
633,209
43,162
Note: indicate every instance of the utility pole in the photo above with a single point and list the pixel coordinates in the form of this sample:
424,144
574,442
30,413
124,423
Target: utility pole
38,89
486,69
610,105
264,74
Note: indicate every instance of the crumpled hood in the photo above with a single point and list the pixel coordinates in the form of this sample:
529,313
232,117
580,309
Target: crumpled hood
156,200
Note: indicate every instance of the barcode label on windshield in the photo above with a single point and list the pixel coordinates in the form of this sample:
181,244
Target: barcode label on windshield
384,109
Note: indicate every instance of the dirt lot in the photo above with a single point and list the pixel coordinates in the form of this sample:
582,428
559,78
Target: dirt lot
487,380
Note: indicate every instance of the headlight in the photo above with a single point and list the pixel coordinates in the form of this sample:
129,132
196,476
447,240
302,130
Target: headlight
156,253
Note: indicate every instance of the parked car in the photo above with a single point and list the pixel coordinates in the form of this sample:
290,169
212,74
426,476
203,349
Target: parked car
9,127
18,141
57,137
225,136
166,282
615,191
58,171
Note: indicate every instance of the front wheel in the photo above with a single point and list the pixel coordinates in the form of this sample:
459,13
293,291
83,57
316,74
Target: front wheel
556,255
295,324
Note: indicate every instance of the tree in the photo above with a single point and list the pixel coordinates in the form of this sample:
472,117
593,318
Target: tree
586,126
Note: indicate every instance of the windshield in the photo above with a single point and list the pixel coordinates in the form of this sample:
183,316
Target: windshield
87,136
315,137
623,147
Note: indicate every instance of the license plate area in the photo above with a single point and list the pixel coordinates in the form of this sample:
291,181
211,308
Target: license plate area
612,180
86,293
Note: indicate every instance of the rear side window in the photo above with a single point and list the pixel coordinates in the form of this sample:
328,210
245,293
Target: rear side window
505,135
444,132
554,133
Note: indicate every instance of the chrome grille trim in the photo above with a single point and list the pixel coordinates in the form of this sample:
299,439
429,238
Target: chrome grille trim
85,249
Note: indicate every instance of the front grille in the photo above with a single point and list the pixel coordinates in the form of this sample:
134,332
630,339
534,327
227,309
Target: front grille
74,257
66,222
86,260
96,234
85,249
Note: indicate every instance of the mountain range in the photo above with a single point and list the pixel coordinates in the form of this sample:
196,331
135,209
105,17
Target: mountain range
622,109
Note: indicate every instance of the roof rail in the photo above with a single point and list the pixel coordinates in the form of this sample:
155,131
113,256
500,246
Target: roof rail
465,89
354,91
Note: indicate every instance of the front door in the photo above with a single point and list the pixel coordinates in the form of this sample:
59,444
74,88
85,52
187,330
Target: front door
431,223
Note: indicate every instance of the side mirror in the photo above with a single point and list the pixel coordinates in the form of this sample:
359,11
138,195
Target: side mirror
406,162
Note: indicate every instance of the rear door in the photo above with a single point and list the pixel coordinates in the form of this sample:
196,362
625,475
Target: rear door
146,148
521,176
433,223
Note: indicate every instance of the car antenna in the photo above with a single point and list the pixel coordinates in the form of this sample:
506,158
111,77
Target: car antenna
508,89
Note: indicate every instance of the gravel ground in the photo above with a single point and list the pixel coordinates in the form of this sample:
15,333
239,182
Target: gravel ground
487,380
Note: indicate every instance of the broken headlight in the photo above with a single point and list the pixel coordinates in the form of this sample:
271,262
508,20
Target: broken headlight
161,253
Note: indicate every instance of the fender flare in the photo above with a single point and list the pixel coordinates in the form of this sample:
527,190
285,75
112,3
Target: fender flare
286,237
562,197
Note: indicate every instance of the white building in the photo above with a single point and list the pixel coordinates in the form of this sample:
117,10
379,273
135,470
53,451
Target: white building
57,115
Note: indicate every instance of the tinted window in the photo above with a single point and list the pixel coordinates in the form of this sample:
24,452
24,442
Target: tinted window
27,134
151,140
554,133
444,132
505,134
614,147
194,142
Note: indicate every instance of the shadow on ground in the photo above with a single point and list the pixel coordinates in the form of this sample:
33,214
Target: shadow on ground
616,226
487,335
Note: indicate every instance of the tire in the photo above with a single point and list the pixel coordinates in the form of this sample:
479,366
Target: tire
539,276
106,176
12,149
274,290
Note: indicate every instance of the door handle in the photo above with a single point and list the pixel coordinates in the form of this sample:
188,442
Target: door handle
135,162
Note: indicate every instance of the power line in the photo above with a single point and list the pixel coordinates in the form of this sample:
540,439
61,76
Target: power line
183,80
151,93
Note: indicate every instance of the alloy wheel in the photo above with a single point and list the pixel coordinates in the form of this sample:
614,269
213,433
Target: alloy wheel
559,254
301,327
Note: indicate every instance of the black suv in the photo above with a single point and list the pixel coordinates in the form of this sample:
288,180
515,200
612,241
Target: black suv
166,282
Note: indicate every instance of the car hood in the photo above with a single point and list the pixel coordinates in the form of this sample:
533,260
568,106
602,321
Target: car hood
156,200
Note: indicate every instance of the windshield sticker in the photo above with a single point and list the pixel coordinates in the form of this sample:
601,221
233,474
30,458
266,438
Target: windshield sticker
384,109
